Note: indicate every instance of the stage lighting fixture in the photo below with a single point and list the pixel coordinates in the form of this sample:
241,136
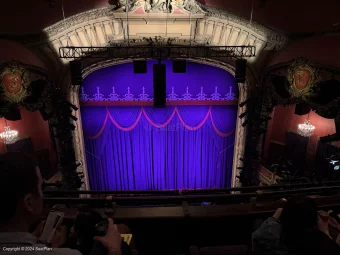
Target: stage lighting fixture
245,123
179,66
73,117
240,70
243,115
140,67
159,85
244,103
75,108
336,168
76,75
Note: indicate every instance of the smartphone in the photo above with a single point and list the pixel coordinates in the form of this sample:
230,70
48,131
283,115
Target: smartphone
54,219
101,228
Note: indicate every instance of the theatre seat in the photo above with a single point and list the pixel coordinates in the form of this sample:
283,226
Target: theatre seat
220,250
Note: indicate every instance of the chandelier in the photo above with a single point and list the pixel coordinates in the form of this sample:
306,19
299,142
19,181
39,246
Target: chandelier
306,129
9,136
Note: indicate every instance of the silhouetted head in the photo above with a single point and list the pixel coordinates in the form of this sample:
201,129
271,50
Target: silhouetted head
83,229
20,191
299,215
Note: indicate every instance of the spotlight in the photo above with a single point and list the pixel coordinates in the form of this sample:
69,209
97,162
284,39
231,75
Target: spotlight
243,115
72,106
73,117
336,168
245,123
244,103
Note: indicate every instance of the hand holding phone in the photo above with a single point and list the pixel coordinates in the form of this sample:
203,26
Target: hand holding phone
53,221
109,238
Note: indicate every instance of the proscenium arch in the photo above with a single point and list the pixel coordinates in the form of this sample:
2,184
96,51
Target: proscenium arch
240,138
104,26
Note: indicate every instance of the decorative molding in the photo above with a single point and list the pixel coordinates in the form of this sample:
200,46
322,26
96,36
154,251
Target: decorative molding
302,77
24,85
214,27
14,82
78,138
159,6
254,27
230,96
85,17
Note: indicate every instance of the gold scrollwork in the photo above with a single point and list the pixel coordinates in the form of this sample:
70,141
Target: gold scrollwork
302,77
14,82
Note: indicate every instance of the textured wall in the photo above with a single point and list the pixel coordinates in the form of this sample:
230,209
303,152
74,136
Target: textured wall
285,120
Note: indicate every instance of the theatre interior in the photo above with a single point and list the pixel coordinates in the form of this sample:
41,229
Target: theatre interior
184,120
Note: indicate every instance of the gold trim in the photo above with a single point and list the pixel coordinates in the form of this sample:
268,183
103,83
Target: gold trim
13,68
301,64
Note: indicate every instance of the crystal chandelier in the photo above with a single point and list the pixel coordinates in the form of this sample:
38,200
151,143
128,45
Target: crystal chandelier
306,129
9,136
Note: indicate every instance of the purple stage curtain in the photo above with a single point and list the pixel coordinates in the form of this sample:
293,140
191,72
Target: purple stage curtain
144,148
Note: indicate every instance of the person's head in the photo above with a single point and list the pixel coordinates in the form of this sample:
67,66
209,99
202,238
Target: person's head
298,216
83,229
84,223
20,190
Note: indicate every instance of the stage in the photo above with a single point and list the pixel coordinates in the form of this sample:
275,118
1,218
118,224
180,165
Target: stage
130,145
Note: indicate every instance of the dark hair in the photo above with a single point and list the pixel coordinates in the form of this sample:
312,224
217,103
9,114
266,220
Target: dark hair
84,225
18,177
299,215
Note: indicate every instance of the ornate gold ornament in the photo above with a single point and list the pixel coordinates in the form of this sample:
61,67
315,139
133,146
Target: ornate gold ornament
302,77
14,82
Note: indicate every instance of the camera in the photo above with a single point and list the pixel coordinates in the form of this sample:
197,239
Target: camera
101,228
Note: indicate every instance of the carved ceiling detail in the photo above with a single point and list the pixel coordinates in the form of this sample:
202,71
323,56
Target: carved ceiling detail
186,21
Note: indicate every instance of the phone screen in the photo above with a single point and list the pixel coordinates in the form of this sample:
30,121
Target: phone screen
53,220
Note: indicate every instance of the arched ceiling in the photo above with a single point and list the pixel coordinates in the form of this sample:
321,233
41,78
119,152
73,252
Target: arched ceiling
289,16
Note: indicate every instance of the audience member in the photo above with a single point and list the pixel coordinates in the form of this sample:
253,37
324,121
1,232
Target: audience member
84,230
22,199
295,229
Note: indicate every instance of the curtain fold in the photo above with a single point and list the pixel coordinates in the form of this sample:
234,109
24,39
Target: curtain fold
143,148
